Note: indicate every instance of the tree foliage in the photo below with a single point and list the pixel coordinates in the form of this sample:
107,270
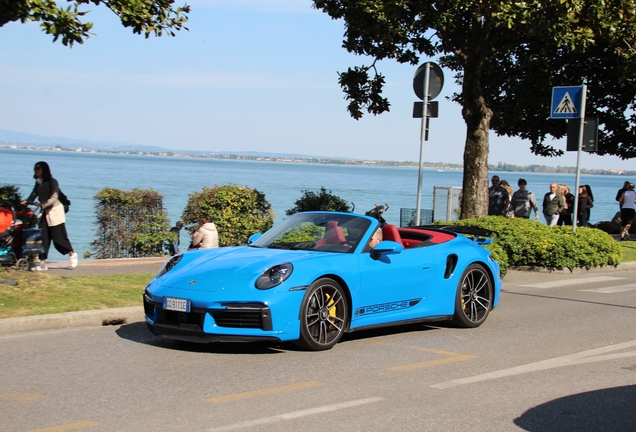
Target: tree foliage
143,16
325,200
237,212
506,56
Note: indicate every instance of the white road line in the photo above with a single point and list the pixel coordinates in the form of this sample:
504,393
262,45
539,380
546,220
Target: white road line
296,414
577,281
612,289
589,356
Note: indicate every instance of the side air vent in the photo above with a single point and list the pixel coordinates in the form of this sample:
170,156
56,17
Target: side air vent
451,263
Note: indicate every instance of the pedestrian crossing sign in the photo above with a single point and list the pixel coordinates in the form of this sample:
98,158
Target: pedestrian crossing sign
566,102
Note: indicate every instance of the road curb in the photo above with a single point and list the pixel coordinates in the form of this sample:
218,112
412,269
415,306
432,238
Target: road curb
92,318
626,266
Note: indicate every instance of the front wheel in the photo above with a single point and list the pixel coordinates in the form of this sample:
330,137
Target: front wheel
474,297
323,315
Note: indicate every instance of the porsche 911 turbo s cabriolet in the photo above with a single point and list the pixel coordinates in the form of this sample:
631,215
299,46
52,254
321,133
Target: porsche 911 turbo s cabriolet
314,276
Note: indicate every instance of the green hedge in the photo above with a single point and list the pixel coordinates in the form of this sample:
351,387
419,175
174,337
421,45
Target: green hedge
238,212
130,224
525,242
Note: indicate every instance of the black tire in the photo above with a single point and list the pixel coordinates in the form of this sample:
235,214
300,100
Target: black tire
474,297
22,264
323,315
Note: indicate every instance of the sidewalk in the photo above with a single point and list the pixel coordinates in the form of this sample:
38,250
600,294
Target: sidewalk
118,316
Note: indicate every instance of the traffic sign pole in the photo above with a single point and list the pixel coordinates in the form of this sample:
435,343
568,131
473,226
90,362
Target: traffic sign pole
427,76
575,214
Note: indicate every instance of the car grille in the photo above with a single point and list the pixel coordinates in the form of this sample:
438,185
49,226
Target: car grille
149,308
243,315
233,315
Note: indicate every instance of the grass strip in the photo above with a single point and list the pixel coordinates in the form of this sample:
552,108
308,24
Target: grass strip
30,293
628,251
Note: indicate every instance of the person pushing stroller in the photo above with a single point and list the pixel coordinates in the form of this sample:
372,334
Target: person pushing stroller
53,220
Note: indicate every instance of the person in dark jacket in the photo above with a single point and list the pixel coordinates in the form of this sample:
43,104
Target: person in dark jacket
585,204
588,190
53,220
553,204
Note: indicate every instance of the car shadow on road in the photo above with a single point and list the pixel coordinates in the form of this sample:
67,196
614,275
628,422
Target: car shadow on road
386,331
138,332
609,409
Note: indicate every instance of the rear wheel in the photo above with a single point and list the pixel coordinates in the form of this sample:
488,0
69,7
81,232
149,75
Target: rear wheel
474,297
323,315
22,264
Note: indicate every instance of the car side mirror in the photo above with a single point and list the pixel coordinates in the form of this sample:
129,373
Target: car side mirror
253,238
386,247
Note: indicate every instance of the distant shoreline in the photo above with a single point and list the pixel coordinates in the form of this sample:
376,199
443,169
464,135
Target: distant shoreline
501,167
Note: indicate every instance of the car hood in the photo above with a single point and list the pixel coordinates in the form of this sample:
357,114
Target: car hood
222,268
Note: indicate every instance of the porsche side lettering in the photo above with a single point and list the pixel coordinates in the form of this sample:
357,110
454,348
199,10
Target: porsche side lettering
387,307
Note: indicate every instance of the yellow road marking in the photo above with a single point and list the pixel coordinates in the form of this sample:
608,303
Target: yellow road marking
23,398
68,427
451,357
263,392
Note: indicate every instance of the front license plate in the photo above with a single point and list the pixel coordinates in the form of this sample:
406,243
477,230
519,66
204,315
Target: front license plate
176,304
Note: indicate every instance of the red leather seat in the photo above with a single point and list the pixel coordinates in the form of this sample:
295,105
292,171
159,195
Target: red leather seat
333,235
390,232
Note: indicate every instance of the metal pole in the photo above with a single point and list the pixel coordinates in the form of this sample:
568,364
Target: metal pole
422,139
578,158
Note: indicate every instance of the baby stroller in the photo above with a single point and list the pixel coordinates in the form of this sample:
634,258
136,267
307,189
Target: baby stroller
17,240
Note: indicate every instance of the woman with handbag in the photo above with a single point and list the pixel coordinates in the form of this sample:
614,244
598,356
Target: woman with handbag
53,220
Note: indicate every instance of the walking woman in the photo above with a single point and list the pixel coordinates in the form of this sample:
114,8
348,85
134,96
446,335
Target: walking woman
627,201
585,204
53,220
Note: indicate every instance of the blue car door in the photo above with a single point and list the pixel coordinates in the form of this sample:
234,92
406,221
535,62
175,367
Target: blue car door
393,288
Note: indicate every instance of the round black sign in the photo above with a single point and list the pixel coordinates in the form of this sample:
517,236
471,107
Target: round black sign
435,81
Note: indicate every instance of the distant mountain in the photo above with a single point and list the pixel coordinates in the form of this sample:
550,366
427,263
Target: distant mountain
25,139
11,137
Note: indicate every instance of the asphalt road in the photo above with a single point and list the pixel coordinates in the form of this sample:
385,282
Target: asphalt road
558,354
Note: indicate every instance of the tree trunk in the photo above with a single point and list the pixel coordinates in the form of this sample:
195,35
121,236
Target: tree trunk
477,115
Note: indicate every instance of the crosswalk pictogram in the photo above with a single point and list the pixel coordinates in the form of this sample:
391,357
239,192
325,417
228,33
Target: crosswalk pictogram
566,106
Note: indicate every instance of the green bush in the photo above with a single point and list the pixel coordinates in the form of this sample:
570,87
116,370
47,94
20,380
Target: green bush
11,193
237,212
325,201
130,224
525,242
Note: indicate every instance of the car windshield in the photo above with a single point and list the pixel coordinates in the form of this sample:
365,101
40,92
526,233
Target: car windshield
329,232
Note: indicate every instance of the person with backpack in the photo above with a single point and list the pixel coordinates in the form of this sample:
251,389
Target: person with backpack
523,201
53,220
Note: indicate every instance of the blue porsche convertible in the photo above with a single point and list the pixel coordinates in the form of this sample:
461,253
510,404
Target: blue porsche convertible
316,275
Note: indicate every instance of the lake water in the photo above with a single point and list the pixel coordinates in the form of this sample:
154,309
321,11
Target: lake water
82,175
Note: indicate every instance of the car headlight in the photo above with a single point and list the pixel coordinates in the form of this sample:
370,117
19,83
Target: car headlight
169,265
274,276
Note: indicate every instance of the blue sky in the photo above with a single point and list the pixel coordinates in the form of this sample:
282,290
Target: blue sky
255,75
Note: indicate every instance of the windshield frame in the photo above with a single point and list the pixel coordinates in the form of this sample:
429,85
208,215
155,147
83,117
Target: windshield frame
356,226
